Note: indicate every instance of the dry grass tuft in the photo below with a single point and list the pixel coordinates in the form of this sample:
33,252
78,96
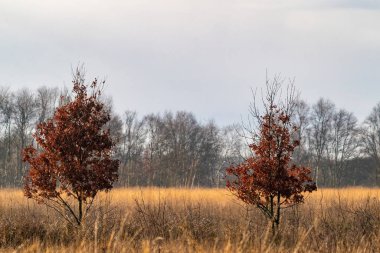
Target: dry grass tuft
194,220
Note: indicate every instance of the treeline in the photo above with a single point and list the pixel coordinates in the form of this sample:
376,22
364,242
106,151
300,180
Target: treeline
176,149
20,111
172,149
169,149
341,151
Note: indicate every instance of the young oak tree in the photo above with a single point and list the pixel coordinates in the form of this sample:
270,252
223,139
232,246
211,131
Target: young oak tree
269,179
73,159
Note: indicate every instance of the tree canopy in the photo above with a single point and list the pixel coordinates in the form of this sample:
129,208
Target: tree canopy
73,157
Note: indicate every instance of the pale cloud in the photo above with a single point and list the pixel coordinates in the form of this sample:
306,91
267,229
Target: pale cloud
199,55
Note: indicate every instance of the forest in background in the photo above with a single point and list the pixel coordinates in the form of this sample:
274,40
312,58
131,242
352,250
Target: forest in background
175,149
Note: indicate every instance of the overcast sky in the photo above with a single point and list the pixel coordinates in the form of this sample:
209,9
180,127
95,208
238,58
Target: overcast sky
196,55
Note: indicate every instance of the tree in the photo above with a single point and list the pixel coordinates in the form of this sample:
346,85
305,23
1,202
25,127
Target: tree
320,134
132,146
46,99
24,118
343,146
9,169
268,179
231,151
301,119
73,161
371,139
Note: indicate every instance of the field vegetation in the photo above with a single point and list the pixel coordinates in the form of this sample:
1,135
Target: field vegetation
194,220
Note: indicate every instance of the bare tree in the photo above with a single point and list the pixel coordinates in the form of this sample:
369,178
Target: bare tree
181,135
208,153
319,133
132,145
232,151
153,152
46,101
6,112
24,118
115,125
301,118
344,144
371,139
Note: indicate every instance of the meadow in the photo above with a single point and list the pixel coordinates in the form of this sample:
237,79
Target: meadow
194,220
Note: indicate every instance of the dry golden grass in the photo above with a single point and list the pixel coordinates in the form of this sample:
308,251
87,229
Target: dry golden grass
194,220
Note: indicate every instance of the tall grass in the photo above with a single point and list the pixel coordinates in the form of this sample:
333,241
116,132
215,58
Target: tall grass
194,220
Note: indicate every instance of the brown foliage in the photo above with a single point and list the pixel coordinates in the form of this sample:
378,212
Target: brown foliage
269,179
74,155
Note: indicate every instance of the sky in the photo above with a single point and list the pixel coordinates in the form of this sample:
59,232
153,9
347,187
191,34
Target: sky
202,56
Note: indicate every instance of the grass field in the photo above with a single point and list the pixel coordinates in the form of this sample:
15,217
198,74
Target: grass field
194,220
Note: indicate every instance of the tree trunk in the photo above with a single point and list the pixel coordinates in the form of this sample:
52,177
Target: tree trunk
316,175
278,209
80,211
272,214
